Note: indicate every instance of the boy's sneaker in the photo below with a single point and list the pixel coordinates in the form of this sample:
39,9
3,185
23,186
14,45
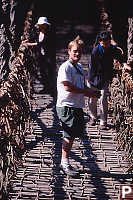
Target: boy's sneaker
69,170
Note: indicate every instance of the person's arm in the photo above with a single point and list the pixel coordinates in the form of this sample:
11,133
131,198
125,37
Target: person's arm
87,92
119,55
29,43
92,66
32,43
126,66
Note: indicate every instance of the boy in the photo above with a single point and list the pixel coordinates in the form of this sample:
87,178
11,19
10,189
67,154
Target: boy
70,101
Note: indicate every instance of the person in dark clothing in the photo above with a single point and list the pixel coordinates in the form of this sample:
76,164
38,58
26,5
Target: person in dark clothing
44,53
100,74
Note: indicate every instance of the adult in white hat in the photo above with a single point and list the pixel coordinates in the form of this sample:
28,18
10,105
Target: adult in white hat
42,24
44,49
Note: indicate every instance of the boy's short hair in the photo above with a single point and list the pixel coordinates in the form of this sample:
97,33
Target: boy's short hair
77,41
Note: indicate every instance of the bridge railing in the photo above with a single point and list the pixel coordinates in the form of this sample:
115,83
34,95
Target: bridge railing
121,95
15,118
121,107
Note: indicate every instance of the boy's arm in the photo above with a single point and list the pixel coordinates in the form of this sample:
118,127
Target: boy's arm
87,92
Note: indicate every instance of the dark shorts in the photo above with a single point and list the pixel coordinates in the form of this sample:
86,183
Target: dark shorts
72,121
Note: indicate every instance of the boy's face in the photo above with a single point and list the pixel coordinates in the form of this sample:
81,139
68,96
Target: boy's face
105,44
75,53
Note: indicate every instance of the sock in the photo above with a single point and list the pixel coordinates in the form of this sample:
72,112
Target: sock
65,162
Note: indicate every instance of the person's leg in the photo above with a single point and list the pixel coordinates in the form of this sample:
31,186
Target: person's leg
92,105
104,106
71,128
43,65
66,148
51,74
65,165
93,108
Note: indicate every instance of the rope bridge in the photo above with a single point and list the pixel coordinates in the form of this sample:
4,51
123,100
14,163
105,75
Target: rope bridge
15,114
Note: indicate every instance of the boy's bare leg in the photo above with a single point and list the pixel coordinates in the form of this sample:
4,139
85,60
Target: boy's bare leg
66,148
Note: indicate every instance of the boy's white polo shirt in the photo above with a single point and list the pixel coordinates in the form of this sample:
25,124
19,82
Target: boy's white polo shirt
67,72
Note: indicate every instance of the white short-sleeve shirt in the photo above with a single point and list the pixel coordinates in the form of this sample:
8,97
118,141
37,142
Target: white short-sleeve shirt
67,72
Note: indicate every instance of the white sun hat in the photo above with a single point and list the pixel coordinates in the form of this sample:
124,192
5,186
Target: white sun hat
43,20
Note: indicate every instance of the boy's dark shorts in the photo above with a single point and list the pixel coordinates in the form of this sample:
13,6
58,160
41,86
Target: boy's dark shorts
72,121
